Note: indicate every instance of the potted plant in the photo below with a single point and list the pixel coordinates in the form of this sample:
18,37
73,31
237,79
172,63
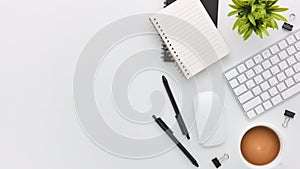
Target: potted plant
256,16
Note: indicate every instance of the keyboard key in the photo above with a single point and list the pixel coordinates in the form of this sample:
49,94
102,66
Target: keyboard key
265,96
275,70
242,78
259,109
241,68
267,74
297,35
274,49
289,72
276,100
265,86
250,63
273,81
283,65
275,59
297,77
298,56
258,79
281,76
251,114
266,64
256,90
289,82
231,74
291,91
239,90
258,58
297,67
258,69
282,44
291,60
250,83
266,53
291,39
245,97
281,87
291,50
273,91
250,73
267,105
252,103
297,45
282,55
233,83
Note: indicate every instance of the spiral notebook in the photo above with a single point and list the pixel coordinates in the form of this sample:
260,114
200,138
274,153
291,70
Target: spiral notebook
190,35
211,7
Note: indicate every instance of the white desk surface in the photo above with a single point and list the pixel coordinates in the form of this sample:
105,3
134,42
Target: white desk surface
40,44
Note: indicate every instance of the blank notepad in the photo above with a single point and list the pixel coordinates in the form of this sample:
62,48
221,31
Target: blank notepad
190,35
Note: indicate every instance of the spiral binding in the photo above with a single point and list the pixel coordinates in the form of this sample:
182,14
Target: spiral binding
179,63
166,54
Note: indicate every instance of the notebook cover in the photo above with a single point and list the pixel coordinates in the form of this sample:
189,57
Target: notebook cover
211,7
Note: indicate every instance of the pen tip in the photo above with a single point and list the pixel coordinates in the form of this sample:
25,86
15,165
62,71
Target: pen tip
164,78
154,116
195,163
188,136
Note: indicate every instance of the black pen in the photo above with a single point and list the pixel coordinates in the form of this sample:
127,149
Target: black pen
169,132
178,115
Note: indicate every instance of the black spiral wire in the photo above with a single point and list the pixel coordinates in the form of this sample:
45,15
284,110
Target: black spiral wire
166,55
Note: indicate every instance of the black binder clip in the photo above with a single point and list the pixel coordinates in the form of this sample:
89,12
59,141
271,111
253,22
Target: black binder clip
288,26
288,116
218,161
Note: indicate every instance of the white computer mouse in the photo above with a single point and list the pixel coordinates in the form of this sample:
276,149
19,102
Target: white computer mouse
208,109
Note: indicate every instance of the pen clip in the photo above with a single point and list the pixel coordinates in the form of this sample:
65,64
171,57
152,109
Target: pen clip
181,124
162,124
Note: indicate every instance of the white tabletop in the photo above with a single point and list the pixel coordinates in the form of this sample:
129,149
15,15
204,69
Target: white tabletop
40,44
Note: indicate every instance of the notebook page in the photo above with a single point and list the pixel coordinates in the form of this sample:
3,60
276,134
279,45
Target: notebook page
192,38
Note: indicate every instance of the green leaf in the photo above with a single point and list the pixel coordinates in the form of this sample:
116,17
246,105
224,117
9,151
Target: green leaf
259,33
236,23
263,12
252,2
275,23
264,30
237,3
234,6
279,9
260,6
253,7
244,28
271,3
278,17
251,19
248,34
233,12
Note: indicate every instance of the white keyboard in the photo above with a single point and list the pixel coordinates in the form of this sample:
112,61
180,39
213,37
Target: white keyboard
267,78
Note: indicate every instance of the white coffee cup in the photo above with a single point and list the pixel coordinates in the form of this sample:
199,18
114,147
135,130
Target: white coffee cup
276,163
